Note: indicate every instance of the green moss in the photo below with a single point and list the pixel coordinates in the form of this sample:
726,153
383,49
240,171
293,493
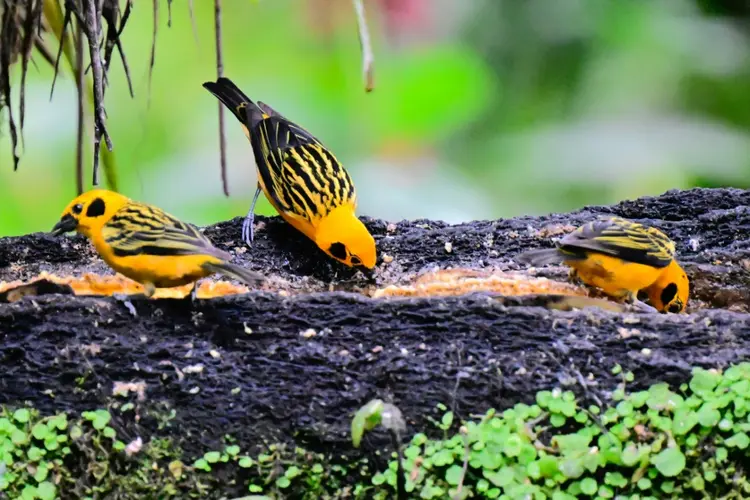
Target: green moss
647,444
686,444
49,457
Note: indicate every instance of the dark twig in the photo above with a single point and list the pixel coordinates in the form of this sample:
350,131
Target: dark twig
92,33
169,13
43,50
219,74
464,431
192,22
8,40
69,7
80,79
33,16
400,475
152,60
110,13
364,42
125,17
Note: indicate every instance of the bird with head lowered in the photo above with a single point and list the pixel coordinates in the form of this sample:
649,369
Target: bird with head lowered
301,178
621,258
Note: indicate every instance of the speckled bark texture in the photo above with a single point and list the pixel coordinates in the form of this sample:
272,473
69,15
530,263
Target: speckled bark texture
241,365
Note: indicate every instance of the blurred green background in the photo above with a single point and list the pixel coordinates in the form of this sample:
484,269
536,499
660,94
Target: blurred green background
482,108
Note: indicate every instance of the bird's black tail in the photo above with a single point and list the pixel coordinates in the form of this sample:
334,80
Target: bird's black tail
233,271
246,111
541,257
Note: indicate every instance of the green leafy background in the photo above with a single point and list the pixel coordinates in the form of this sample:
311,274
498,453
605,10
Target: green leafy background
482,109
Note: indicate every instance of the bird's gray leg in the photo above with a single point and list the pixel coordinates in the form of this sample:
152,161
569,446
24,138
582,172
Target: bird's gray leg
248,230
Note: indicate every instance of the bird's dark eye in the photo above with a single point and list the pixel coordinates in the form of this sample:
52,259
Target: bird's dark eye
77,209
356,261
96,208
668,293
338,250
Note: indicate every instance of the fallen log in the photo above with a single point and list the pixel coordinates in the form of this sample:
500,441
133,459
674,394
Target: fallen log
293,362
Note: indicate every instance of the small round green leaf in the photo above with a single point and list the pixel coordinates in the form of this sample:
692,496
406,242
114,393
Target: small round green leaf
292,472
283,482
76,432
512,446
453,474
22,415
46,491
40,431
588,486
202,464
615,479
739,440
669,462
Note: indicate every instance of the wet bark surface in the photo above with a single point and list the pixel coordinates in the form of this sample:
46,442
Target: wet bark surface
265,367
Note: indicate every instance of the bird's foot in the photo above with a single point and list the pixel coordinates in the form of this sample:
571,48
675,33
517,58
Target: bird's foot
126,300
632,300
248,230
643,307
193,295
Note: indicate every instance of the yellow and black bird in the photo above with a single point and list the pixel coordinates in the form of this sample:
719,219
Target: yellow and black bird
147,244
621,258
301,178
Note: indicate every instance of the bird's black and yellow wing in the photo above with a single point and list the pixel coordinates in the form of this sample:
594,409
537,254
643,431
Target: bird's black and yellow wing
301,175
298,173
620,238
140,229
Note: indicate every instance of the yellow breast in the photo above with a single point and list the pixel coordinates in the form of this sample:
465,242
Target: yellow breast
614,276
163,271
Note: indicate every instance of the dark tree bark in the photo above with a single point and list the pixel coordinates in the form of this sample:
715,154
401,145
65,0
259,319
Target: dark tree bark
61,352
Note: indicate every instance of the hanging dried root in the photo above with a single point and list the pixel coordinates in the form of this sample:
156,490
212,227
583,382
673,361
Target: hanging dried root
93,31
364,41
152,59
219,74
81,115
32,25
13,13
23,24
110,14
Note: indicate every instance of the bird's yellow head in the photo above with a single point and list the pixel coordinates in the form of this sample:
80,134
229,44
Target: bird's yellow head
89,212
670,292
342,235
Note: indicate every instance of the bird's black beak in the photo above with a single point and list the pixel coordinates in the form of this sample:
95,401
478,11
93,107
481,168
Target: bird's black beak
67,224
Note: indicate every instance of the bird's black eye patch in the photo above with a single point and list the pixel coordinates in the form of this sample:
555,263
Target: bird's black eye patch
96,208
77,209
338,250
668,293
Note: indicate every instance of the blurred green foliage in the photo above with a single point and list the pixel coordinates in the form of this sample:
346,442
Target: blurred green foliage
482,109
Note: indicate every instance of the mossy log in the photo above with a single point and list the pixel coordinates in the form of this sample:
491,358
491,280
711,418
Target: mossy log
241,366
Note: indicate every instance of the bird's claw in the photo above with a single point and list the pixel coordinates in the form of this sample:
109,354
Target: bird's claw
248,232
248,228
194,293
643,307
125,299
639,305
